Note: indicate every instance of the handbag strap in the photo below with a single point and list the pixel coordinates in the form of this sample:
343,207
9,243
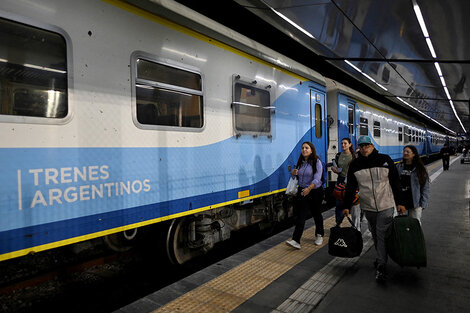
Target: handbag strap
350,221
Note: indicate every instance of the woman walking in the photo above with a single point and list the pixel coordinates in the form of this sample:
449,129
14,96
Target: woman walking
342,160
414,180
309,196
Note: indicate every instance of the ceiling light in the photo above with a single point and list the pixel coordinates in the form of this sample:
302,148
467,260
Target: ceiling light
420,19
447,93
438,68
290,21
431,48
443,81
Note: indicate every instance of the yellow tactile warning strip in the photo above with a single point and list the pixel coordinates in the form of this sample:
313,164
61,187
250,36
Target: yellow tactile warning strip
228,291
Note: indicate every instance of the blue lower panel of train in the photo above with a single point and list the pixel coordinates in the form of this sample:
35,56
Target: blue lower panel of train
50,195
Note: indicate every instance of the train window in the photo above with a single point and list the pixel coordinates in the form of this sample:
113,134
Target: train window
251,109
351,119
318,119
413,135
400,133
363,126
407,134
168,96
376,129
33,72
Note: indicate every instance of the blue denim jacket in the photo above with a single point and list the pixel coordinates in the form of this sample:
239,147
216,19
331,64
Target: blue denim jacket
420,193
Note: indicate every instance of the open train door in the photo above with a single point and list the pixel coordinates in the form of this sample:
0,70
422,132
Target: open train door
318,127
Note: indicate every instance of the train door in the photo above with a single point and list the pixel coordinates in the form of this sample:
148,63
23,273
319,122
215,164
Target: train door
347,128
318,124
351,122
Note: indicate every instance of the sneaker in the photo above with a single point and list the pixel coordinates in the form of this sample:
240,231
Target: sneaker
381,273
293,244
319,240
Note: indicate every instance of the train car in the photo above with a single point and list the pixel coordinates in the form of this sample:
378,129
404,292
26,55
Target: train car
114,117
352,114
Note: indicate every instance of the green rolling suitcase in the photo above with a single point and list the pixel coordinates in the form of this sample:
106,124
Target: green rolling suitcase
405,242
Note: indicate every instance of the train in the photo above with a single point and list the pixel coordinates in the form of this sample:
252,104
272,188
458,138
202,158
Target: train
117,115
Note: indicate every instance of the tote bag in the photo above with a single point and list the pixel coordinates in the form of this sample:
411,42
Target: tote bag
345,242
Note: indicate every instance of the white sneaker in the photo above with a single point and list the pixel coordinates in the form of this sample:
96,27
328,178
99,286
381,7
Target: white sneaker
293,244
319,240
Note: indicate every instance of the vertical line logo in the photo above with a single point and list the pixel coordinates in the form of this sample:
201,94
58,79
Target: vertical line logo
20,200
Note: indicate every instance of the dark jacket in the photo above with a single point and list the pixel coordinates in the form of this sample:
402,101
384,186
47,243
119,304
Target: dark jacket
445,153
377,179
420,193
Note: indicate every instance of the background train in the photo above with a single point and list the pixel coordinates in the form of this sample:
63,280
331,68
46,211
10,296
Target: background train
114,117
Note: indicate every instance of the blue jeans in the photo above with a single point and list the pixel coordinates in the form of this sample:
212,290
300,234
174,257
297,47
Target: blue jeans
339,204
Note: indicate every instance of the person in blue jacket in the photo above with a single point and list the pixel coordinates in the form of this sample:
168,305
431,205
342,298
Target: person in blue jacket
414,182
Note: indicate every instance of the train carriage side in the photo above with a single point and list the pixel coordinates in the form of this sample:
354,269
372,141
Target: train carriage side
113,118
353,114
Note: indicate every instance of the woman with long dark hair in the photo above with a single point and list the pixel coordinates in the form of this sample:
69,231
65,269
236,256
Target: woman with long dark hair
309,170
414,180
342,160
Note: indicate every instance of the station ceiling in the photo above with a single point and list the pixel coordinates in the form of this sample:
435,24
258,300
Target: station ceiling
377,47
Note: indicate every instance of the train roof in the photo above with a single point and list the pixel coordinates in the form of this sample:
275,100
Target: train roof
195,21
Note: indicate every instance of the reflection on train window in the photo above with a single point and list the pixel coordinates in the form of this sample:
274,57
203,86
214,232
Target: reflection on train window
400,133
376,129
407,134
168,96
33,71
351,119
363,126
318,119
252,110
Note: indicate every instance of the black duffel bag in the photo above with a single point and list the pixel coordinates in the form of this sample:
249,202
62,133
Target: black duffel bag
345,242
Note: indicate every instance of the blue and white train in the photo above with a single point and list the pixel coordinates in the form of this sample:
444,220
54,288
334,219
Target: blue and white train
113,117
353,114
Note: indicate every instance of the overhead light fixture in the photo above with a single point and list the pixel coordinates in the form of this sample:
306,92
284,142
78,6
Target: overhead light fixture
365,75
431,48
422,24
438,68
290,21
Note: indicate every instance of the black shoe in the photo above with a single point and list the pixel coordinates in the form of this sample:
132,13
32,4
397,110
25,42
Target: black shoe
381,273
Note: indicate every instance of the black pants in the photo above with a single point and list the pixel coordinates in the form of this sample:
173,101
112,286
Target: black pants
302,205
445,163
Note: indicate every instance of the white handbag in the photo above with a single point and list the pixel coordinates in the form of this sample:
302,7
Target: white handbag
291,189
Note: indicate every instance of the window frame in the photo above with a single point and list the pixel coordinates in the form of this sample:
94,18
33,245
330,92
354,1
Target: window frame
165,62
400,134
376,131
363,122
237,79
22,119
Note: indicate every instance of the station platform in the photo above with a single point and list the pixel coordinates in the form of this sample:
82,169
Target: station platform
272,277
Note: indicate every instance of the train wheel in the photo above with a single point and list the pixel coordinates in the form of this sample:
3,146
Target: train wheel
177,242
122,241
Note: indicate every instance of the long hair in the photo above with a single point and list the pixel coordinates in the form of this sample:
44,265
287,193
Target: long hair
312,159
351,149
419,165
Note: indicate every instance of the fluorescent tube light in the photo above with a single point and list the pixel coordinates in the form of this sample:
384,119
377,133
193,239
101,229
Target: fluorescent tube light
431,48
438,68
420,19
